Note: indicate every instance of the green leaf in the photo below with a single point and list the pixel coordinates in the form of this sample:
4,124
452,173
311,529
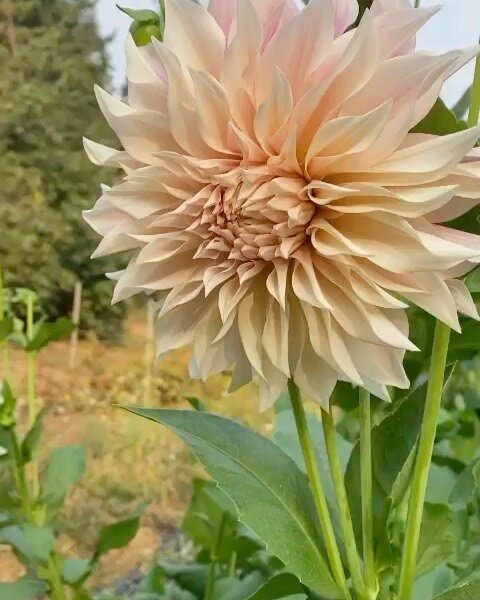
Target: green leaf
437,543
469,591
49,332
280,586
22,589
472,281
190,577
8,403
466,344
65,467
461,107
146,24
232,588
154,581
74,570
265,484
32,439
6,328
34,544
209,510
393,441
141,15
118,535
196,403
441,483
440,121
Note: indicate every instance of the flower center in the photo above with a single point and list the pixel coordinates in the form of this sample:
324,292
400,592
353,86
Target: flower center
257,219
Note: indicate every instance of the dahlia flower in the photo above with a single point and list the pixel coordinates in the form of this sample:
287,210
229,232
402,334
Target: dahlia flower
281,211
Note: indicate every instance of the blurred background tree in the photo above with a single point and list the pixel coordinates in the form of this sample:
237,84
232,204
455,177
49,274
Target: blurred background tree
51,54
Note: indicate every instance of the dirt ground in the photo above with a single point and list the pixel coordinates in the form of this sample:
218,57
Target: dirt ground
129,459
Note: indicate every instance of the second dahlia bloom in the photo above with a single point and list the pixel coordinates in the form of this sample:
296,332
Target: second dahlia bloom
283,215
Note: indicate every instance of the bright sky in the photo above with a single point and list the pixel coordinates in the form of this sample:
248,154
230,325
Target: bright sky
456,26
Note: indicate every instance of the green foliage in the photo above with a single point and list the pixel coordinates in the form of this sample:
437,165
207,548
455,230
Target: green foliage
468,591
65,467
22,589
440,121
28,522
46,106
266,486
146,24
117,535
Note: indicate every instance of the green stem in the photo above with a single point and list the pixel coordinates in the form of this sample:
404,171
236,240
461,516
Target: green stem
367,491
317,489
18,471
474,112
417,3
336,471
4,344
232,567
31,395
212,573
423,459
55,580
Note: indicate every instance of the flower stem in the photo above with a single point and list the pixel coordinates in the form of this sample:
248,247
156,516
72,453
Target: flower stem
317,489
336,471
367,491
474,112
4,343
417,3
423,459
31,395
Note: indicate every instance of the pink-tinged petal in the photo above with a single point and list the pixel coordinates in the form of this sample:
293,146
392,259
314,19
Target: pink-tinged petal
338,141
224,12
146,77
141,132
432,86
238,74
109,157
308,37
426,161
398,29
462,298
194,36
345,13
356,68
273,113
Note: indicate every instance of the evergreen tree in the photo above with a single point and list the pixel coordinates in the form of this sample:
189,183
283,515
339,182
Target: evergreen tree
50,57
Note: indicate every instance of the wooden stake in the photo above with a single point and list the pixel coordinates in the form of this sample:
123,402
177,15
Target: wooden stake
149,352
76,308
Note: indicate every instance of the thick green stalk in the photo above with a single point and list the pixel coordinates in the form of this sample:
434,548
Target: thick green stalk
367,492
54,578
417,3
31,395
423,459
336,471
317,489
474,112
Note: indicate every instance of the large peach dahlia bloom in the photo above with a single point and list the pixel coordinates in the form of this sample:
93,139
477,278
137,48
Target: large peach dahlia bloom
281,209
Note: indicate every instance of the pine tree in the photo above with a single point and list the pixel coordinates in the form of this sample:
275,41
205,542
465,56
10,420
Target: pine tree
50,57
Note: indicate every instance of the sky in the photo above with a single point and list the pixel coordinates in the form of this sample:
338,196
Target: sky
456,26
